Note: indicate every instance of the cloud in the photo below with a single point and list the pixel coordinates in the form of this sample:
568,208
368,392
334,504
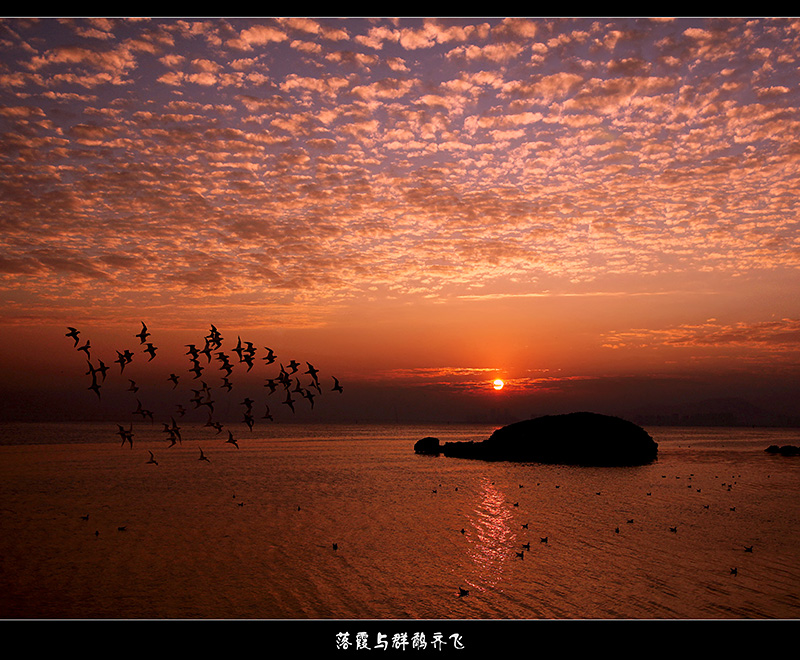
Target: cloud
779,335
425,158
256,36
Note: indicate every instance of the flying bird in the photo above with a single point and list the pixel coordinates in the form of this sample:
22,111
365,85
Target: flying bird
270,356
248,419
312,371
152,459
102,369
231,440
95,386
203,457
239,348
213,424
175,430
336,386
123,360
143,334
73,333
125,434
151,350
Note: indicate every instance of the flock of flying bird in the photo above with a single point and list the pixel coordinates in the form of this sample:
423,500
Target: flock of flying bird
287,380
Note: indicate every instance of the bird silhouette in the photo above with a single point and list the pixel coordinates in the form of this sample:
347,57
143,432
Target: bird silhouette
73,333
336,386
231,440
143,334
123,359
152,459
203,457
125,434
95,386
312,371
462,592
308,396
239,350
102,369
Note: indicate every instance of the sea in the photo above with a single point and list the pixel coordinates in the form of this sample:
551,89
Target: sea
346,523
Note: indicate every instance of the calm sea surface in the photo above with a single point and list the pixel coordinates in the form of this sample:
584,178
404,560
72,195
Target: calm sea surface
251,534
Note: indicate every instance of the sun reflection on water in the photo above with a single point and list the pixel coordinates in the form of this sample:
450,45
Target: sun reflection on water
492,535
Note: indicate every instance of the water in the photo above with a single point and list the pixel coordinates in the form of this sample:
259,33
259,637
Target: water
250,534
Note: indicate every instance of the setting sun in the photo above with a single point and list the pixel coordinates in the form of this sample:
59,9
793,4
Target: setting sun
498,384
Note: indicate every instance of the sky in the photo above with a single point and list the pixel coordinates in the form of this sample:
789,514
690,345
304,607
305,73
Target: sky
602,212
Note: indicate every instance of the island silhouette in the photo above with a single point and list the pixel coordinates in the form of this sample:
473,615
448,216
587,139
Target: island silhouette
579,438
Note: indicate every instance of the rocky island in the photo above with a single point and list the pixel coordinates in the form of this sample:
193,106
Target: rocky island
580,438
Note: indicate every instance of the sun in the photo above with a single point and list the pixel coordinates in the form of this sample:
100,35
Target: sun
498,384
